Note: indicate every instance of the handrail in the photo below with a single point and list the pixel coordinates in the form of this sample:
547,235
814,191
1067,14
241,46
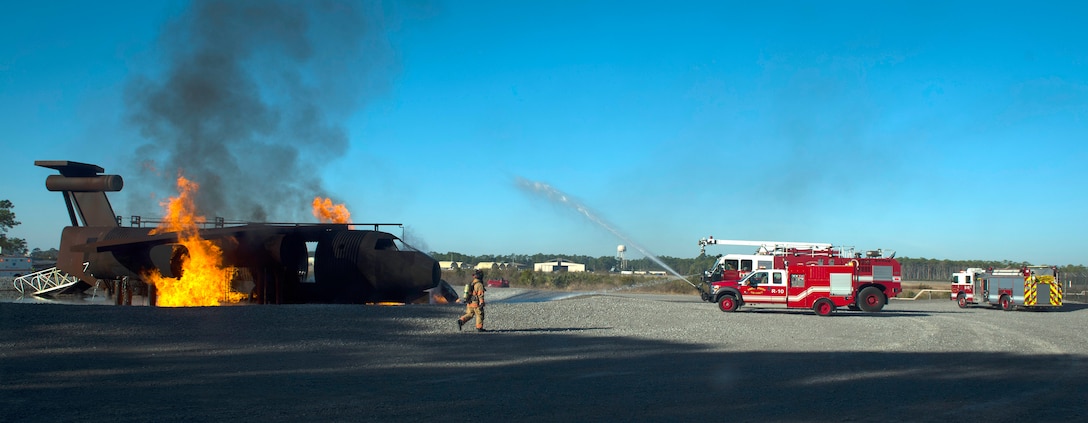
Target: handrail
43,280
919,294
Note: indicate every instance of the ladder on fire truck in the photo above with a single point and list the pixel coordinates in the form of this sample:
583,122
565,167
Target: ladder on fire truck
765,247
45,282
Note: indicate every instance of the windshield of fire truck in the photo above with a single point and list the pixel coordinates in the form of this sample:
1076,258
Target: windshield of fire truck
744,265
1041,270
714,272
730,264
755,278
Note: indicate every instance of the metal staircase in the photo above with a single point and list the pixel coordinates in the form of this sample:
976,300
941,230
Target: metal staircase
45,282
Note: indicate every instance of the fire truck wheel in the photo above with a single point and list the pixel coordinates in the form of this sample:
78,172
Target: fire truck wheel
823,307
727,303
1006,303
871,299
961,300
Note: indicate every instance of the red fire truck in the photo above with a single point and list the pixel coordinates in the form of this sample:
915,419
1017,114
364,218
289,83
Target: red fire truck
877,276
1027,287
822,288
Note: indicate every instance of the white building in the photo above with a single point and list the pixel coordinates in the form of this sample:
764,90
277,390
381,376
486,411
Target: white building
453,265
559,265
487,265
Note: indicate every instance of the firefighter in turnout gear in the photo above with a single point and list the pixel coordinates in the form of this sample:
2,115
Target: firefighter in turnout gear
474,300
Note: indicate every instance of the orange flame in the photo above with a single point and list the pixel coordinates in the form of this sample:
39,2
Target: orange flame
204,280
327,212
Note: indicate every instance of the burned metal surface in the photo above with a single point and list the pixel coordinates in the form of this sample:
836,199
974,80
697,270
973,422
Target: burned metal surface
349,265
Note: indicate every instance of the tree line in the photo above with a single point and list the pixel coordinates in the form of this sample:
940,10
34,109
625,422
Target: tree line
912,269
684,266
923,269
17,246
9,246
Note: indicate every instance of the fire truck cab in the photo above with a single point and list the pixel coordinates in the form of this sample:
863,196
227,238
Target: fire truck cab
822,288
1008,289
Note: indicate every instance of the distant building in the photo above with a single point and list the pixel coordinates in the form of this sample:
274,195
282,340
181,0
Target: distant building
498,265
453,265
518,266
559,265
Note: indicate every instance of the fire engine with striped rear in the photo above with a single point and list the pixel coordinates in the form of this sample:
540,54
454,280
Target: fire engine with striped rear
1029,287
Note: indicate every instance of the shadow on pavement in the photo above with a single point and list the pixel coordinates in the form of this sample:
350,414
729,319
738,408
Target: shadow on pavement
328,363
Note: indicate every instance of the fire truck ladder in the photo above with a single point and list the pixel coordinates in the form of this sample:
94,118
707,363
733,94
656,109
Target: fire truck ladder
45,282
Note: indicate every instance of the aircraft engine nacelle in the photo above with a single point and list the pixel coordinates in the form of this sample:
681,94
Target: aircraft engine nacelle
168,259
100,183
284,252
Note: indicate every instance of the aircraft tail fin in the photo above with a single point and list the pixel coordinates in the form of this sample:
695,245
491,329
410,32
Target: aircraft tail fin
84,190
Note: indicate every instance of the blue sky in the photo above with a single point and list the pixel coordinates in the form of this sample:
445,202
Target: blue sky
937,129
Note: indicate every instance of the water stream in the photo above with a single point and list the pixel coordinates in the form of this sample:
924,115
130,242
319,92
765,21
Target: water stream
557,197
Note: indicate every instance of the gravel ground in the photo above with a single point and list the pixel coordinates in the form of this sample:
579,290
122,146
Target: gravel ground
548,357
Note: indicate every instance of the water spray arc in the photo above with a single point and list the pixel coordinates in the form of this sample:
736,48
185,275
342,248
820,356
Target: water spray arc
558,197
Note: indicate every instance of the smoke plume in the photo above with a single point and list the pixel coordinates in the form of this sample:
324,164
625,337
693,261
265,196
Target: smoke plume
250,102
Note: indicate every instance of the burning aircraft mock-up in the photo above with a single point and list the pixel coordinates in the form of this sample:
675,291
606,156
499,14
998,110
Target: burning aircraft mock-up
349,265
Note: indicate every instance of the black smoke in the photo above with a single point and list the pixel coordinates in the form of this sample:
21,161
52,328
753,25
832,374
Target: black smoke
251,103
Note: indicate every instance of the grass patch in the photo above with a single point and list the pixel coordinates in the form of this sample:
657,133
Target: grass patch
581,281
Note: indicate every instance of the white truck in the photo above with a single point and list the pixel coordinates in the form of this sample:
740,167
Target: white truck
15,266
